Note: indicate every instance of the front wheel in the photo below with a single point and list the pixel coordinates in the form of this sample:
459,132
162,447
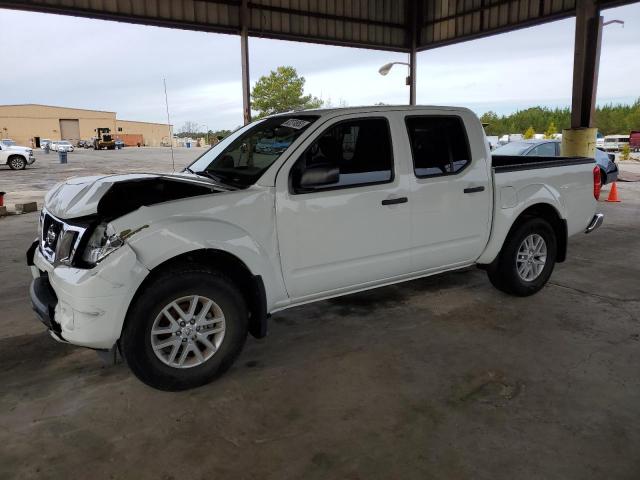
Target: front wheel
17,163
527,259
185,329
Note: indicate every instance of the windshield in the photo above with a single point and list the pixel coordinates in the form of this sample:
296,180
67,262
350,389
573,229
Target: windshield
513,148
240,159
64,143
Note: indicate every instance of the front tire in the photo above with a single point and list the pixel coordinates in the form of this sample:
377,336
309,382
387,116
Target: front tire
185,329
527,259
17,163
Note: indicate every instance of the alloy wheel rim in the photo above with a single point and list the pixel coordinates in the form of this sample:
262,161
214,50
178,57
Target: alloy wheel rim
17,163
531,257
188,331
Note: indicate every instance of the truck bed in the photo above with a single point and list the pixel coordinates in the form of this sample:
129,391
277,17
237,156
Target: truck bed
511,163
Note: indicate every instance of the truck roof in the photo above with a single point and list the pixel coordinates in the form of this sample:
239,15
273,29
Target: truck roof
370,109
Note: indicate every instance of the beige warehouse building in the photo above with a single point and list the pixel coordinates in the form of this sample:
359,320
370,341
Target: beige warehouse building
24,123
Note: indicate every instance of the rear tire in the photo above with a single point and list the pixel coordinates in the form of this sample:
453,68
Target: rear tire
162,325
527,259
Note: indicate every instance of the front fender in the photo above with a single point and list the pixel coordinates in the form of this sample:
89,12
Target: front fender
163,240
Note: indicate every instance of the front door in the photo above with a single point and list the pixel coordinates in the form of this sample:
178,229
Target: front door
353,231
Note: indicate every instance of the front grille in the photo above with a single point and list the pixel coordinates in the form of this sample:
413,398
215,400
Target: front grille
52,231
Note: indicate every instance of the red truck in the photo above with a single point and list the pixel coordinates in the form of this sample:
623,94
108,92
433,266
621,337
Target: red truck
634,140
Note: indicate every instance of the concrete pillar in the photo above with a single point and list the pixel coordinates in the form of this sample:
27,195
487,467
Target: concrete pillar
580,139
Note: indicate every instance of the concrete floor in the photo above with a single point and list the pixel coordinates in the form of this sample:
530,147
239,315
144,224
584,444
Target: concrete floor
443,377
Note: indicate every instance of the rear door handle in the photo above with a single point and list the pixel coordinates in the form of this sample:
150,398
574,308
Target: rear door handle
393,201
473,189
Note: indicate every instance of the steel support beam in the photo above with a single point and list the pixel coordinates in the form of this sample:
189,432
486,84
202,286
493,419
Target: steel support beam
586,62
244,54
412,20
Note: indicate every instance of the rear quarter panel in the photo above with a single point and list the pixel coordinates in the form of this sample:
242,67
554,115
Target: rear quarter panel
568,189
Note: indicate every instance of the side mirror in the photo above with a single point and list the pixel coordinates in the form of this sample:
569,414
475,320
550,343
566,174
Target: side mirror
319,176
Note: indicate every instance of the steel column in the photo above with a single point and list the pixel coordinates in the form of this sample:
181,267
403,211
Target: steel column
586,62
244,54
412,19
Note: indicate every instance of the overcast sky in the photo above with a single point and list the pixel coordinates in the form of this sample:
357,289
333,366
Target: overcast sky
75,62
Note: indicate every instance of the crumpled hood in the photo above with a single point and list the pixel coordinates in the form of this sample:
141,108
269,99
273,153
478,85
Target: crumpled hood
81,196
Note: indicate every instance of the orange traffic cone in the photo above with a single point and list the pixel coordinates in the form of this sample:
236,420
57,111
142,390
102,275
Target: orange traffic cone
613,194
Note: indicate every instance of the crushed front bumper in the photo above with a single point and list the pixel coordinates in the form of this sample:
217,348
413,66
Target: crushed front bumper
85,307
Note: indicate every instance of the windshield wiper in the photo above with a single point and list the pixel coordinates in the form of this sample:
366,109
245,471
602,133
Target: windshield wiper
216,178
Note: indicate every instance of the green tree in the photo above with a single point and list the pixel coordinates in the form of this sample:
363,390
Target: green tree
529,133
625,153
551,130
281,91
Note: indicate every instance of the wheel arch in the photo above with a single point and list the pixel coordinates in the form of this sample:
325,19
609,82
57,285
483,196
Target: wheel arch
542,210
550,214
250,286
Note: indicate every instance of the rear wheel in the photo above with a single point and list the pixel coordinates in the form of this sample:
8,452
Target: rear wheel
17,163
527,259
185,329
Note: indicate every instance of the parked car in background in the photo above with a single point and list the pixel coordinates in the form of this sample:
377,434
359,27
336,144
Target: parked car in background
510,137
62,146
85,144
493,142
176,269
119,144
16,157
634,140
44,142
599,140
613,143
7,142
551,148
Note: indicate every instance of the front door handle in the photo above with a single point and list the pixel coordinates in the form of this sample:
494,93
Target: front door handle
393,201
473,189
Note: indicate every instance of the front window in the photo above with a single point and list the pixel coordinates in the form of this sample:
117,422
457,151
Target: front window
359,150
240,159
8,143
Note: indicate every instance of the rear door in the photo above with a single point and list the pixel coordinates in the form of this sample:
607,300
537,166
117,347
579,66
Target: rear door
354,232
451,197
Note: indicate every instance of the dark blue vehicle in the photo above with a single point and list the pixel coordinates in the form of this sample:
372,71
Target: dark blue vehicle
551,148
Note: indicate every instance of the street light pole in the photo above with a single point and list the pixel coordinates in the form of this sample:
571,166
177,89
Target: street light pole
411,78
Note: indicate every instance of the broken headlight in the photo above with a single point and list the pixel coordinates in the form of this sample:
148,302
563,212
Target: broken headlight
103,242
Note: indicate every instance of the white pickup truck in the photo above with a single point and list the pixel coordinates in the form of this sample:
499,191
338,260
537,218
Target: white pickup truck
175,269
15,156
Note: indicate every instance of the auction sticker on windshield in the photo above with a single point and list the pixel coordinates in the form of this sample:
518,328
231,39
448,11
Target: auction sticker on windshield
295,123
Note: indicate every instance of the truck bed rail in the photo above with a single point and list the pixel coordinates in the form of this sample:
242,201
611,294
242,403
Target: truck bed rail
511,163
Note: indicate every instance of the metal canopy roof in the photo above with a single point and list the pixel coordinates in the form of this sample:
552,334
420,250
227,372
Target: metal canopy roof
378,24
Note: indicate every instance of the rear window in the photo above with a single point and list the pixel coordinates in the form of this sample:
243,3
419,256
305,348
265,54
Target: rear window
439,145
513,148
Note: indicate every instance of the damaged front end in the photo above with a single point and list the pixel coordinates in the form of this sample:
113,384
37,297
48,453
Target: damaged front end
75,228
79,297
